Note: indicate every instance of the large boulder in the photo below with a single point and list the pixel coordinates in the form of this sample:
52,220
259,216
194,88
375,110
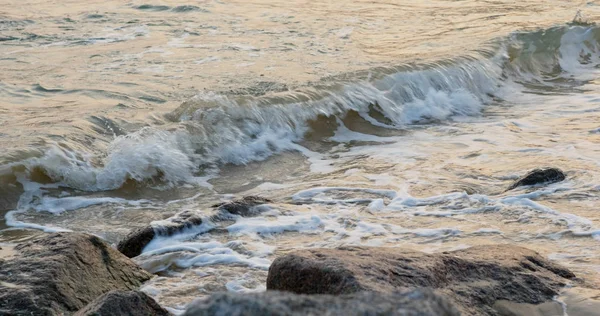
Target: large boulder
539,176
474,279
414,302
60,273
123,303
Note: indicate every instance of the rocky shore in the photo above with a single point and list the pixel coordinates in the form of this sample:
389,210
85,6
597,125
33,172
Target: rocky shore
74,273
80,274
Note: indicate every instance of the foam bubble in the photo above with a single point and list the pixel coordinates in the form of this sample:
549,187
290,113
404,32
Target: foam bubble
261,225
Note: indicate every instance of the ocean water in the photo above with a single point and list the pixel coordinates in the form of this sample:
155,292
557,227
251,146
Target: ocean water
365,122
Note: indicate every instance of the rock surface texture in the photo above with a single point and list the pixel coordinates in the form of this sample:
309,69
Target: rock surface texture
539,176
58,274
474,279
123,303
415,302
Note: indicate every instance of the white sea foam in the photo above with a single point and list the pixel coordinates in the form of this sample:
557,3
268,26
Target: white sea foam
11,220
261,225
188,254
59,205
579,52
319,195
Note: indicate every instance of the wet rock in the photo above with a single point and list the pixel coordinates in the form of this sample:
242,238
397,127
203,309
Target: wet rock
123,303
474,279
133,244
539,176
245,206
422,302
60,273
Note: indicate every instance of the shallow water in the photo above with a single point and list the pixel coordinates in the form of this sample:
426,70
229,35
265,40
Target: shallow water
366,123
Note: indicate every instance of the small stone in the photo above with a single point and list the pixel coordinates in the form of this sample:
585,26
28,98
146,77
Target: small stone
539,176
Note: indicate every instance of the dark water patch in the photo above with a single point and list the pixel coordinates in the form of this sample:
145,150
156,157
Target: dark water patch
124,106
106,126
7,24
8,38
80,43
95,16
24,38
162,23
152,99
188,8
67,28
99,94
127,84
33,37
40,88
91,93
153,8
260,88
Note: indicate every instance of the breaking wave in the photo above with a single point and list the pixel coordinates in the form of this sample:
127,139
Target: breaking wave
214,129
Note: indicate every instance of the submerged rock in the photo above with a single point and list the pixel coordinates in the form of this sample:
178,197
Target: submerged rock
539,176
123,303
133,244
422,302
245,206
60,273
474,279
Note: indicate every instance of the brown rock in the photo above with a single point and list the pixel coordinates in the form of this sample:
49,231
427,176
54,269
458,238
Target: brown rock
474,279
123,303
421,302
60,273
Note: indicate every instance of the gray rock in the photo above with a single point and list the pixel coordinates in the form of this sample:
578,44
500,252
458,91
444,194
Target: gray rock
123,303
474,279
60,273
421,302
539,176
